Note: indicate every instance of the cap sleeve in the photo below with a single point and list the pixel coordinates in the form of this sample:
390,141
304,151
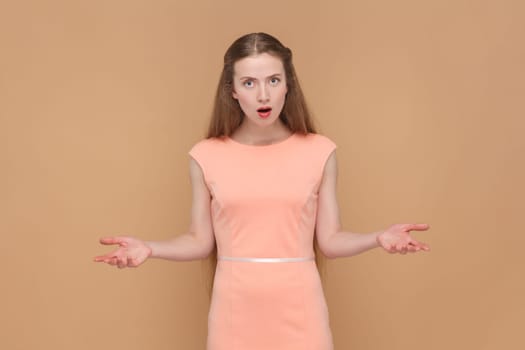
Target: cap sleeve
200,152
326,148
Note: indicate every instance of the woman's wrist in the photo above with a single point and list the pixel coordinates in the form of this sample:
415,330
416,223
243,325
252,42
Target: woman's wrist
150,245
377,235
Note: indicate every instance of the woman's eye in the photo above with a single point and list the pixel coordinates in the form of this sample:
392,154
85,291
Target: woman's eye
274,81
248,83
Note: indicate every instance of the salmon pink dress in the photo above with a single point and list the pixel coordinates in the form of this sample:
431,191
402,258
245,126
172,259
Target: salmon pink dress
267,293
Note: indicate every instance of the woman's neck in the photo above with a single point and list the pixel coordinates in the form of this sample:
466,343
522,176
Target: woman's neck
255,135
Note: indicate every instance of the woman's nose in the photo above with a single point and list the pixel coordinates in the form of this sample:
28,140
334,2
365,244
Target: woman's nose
264,95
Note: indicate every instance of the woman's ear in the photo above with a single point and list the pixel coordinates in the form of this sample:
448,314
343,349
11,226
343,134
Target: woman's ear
234,94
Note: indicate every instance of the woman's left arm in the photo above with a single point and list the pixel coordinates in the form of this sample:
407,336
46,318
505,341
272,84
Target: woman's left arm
335,243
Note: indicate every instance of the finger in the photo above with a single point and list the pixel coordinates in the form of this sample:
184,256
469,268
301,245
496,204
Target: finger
103,258
416,227
122,262
402,247
115,253
113,240
412,249
420,245
387,247
132,262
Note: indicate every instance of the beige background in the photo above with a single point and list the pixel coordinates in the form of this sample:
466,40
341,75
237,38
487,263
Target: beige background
101,100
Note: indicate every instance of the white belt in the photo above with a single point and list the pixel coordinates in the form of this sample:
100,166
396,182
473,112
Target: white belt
265,260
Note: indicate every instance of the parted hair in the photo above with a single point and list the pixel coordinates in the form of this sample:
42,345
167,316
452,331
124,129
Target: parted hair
227,114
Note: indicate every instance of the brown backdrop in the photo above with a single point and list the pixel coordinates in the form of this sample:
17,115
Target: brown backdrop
100,102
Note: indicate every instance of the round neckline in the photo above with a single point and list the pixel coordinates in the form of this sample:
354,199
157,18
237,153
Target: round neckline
261,146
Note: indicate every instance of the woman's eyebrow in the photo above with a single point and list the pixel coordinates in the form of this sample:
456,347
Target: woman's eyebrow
272,75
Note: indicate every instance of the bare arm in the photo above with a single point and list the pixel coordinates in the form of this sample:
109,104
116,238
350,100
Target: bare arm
336,243
199,241
193,245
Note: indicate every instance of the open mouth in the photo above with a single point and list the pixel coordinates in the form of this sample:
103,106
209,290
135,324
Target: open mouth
264,112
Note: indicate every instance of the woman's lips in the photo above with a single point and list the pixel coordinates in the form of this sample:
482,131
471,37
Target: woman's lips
264,112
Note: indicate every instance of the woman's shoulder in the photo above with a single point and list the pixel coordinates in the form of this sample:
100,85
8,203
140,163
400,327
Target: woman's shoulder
319,140
208,142
205,147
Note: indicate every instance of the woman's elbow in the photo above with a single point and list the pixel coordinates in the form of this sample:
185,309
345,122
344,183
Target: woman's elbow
326,249
207,249
329,254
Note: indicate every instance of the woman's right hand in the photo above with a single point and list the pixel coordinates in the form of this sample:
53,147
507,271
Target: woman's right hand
131,252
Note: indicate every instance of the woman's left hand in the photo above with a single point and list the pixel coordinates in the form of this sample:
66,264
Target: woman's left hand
396,239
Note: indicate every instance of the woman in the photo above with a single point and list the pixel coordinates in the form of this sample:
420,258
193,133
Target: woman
264,209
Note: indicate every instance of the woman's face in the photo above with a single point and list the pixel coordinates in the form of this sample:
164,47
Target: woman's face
259,84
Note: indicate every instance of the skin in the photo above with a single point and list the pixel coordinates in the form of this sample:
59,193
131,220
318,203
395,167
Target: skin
260,81
197,243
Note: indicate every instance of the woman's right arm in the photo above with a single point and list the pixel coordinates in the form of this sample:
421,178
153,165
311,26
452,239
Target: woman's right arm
196,244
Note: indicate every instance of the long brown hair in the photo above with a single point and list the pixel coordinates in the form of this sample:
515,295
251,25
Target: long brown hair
227,115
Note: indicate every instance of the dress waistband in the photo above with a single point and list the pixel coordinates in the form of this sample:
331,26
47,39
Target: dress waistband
265,260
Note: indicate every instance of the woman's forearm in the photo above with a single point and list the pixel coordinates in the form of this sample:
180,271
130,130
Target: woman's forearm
345,244
184,247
